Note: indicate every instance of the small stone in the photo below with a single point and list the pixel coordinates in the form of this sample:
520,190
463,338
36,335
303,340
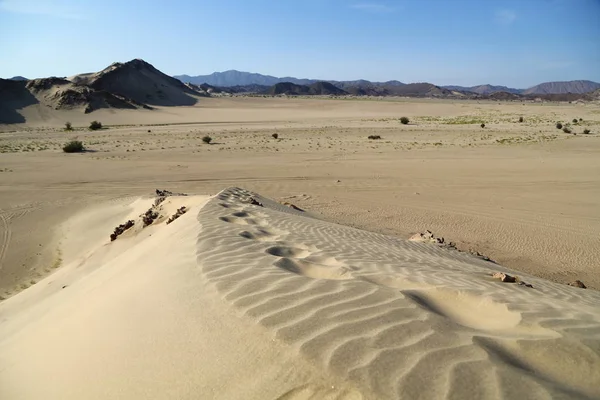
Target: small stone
290,205
525,284
578,284
255,202
503,277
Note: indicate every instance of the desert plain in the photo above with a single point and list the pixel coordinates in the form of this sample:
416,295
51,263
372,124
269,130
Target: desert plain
269,303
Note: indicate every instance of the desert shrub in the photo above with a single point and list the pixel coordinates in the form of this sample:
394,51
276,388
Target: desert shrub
374,137
404,120
580,119
566,129
482,125
68,126
207,139
74,146
275,135
586,131
558,125
575,120
520,119
95,125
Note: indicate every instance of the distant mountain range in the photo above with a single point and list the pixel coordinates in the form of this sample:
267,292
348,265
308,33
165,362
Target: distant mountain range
484,89
137,84
238,78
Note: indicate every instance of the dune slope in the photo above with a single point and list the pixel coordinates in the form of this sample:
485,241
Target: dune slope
244,297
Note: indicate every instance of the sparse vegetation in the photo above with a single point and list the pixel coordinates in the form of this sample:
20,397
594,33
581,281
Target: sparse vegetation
586,131
404,121
95,125
566,129
575,120
74,146
520,119
558,125
275,135
68,126
482,125
580,119
207,139
374,137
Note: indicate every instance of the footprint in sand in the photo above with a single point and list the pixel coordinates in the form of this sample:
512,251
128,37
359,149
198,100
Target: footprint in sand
299,260
287,252
263,234
314,270
231,206
241,217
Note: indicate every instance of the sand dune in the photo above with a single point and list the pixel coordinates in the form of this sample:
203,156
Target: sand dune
242,297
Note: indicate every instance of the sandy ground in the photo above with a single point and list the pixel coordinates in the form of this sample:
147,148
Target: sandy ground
524,194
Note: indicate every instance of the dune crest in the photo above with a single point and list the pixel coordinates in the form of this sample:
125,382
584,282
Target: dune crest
398,318
243,297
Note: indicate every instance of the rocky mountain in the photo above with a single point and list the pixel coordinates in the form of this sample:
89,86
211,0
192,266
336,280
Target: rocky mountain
18,78
563,87
364,87
484,89
141,82
317,88
419,90
239,78
131,85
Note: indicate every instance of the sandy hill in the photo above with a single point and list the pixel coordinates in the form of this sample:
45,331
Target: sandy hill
61,94
131,85
141,82
14,96
242,297
54,94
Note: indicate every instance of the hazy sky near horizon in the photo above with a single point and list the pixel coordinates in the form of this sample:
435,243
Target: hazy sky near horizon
517,43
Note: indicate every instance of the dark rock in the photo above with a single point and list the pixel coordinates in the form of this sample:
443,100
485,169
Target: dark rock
504,277
149,216
120,229
179,213
166,193
290,205
521,283
255,202
578,284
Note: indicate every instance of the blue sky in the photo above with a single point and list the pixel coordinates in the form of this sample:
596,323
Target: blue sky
464,42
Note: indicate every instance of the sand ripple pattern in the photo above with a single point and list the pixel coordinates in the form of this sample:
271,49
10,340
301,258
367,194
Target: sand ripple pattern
396,318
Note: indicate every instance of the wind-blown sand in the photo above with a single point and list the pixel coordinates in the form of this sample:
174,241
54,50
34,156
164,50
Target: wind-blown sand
243,300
